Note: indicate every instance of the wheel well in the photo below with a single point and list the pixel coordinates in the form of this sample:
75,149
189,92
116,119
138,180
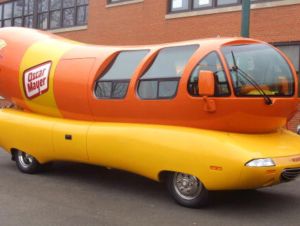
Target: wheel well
13,152
163,175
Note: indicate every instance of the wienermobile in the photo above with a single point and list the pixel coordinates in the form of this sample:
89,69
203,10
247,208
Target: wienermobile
200,115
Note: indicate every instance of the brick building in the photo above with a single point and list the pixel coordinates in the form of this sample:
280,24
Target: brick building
125,22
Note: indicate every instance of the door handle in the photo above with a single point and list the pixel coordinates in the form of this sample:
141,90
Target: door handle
68,137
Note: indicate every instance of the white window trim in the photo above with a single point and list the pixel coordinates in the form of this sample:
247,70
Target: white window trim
68,29
260,5
110,5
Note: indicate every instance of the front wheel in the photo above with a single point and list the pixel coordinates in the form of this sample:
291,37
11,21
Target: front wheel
27,163
187,190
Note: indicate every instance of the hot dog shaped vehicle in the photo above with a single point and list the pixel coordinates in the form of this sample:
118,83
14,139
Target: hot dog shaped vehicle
198,115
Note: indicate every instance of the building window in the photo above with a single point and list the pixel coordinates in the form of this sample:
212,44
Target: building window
190,5
44,14
292,51
7,14
28,13
180,5
113,83
161,79
202,4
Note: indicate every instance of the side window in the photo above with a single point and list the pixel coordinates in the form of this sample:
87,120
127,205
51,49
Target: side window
161,79
113,83
211,62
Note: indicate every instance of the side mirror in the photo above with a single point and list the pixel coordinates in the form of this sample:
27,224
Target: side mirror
206,83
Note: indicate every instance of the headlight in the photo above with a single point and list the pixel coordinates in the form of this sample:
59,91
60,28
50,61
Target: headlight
260,163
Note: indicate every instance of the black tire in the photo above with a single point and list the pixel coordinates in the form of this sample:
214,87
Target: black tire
187,190
27,163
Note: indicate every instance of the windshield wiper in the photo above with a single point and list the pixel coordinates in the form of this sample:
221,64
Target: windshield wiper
249,78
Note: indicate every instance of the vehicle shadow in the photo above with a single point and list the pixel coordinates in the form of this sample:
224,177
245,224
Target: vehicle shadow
106,179
267,200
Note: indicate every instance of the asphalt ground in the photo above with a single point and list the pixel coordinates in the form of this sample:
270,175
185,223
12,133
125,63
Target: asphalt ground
78,194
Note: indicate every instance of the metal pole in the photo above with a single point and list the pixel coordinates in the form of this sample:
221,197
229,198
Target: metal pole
245,18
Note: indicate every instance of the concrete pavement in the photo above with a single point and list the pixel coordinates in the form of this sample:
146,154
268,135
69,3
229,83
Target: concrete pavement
77,194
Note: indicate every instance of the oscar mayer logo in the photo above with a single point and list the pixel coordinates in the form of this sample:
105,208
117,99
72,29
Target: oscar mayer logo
36,80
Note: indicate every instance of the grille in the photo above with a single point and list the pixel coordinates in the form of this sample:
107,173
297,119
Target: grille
290,174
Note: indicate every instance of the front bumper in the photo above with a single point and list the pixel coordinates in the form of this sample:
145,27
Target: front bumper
290,174
286,169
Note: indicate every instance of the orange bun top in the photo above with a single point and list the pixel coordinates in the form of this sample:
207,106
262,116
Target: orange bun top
157,84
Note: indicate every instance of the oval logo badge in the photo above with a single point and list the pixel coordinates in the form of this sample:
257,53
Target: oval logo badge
36,80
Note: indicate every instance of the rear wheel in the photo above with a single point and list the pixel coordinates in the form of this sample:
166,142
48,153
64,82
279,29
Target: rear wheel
26,163
187,190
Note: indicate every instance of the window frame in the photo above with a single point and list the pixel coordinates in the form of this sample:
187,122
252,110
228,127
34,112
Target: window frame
20,16
112,90
110,2
86,13
224,70
190,7
215,5
158,80
110,65
11,16
253,96
1,12
278,44
34,16
29,14
297,43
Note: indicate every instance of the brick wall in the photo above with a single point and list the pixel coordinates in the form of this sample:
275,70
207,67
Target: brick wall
145,23
294,122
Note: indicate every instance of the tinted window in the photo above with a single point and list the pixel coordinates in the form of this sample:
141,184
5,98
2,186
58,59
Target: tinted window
119,89
103,89
148,89
210,63
114,82
112,89
158,89
167,89
170,62
161,80
124,65
264,65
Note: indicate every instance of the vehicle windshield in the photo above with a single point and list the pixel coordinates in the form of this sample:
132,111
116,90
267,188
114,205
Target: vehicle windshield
264,65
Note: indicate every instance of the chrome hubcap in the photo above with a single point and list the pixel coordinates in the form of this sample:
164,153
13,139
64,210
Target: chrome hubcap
187,186
25,159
